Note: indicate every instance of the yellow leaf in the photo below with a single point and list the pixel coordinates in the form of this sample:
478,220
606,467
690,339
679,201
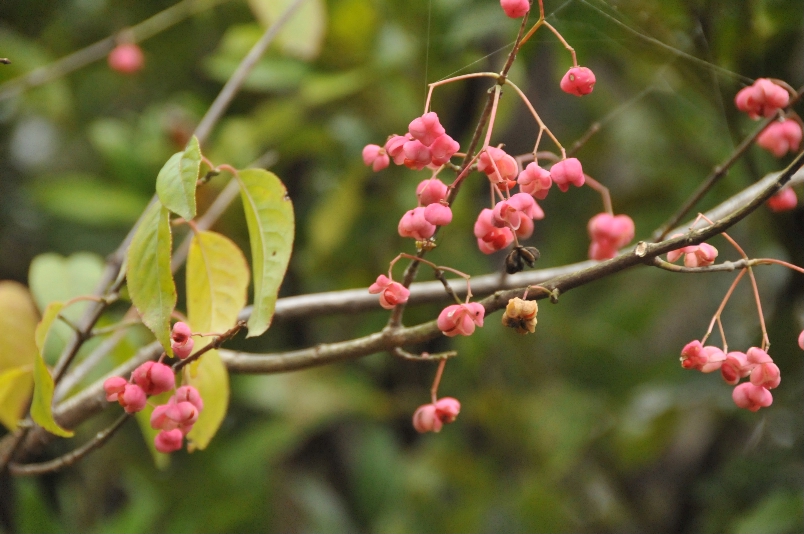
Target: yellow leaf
212,382
18,318
217,283
15,392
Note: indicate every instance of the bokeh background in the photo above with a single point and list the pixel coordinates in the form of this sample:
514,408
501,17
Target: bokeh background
589,425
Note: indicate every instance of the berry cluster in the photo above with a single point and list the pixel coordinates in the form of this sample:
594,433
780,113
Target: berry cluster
174,419
765,98
755,363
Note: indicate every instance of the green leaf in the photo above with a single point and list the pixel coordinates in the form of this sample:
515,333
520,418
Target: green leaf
42,404
269,216
217,282
150,281
177,180
15,392
302,35
211,379
55,278
18,318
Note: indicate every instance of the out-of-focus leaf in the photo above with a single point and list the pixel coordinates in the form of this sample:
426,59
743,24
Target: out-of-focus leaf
324,88
85,199
217,282
779,512
303,34
18,318
15,391
176,182
332,219
161,460
269,216
55,278
42,404
211,379
150,281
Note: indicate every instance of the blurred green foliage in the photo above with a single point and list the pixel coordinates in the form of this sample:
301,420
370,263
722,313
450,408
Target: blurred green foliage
589,425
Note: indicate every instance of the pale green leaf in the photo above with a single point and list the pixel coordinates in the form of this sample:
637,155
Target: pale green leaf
302,35
150,281
211,379
269,216
53,277
15,392
177,180
18,318
217,282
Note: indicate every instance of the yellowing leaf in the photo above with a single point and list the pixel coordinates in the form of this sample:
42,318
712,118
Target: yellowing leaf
217,282
211,379
42,405
15,392
176,182
302,35
150,281
269,215
18,318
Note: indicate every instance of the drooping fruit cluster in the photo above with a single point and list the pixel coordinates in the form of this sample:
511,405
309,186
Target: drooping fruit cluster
174,419
755,364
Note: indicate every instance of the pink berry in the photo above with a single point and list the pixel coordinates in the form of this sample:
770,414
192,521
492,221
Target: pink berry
734,367
491,238
762,99
438,214
168,441
391,293
801,340
751,397
154,378
426,128
535,181
191,395
609,233
375,157
781,137
784,200
114,386
425,419
431,191
460,319
447,409
126,58
515,8
181,340
578,81
394,147
566,172
413,224
417,155
518,213
132,399
500,167
443,148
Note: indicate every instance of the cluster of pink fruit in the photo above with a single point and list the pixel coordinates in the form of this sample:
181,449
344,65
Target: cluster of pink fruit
174,419
764,98
755,363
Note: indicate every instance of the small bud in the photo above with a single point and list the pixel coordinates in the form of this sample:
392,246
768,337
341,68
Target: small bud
521,315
